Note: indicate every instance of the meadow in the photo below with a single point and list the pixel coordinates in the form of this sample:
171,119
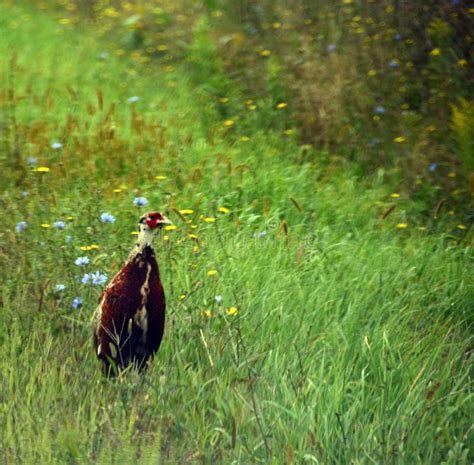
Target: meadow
317,311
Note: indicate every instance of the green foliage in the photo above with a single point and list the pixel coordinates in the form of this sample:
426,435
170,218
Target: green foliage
345,326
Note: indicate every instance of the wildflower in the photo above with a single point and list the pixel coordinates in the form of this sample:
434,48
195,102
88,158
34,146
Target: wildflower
76,303
379,109
402,226
96,278
70,218
432,167
265,53
289,132
103,56
399,139
393,64
395,195
207,313
42,169
210,219
186,211
281,105
59,288
81,261
56,145
182,297
398,37
228,123
245,138
372,73
331,47
171,227
218,299
223,210
252,107
45,225
107,218
21,226
140,201
116,191
462,62
212,273
59,225
166,237
452,174
435,52
25,194
68,238
133,99
276,25
232,311
160,178
32,161
224,100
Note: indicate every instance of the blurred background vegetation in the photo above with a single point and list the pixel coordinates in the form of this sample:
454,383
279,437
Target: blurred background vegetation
378,84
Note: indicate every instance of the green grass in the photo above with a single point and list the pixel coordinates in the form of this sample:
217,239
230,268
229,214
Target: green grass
352,339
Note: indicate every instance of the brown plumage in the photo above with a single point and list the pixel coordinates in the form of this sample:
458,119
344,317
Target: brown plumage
130,319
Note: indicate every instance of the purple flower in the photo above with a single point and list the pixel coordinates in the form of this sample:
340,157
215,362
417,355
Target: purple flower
379,109
107,218
21,226
76,303
59,288
56,145
59,225
331,47
81,261
32,161
133,99
140,201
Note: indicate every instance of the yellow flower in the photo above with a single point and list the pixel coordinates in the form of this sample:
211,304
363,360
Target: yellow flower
171,227
224,100
166,237
462,62
42,169
281,105
209,219
211,273
245,138
232,311
94,247
395,195
117,190
223,210
192,236
265,53
70,218
435,52
289,132
228,123
207,313
452,174
162,48
134,233
182,297
402,225
252,107
194,226
45,225
276,25
160,178
462,226
186,211
111,12
196,249
399,139
372,73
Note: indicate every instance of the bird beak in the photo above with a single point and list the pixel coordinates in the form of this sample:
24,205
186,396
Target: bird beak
164,222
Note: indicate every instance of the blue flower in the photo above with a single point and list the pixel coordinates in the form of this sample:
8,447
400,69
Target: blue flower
59,288
133,99
262,234
374,141
398,37
32,161
140,201
107,218
56,145
81,261
25,194
379,109
97,278
59,224
331,47
76,303
218,298
21,226
103,56
68,238
393,64
433,167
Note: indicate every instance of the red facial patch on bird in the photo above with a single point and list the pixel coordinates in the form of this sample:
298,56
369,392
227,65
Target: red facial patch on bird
153,218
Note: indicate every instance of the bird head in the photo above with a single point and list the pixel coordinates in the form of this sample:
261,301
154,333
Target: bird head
152,221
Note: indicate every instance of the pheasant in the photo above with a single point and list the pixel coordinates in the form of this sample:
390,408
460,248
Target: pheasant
129,322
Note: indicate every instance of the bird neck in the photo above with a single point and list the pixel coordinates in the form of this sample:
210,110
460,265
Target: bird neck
144,240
